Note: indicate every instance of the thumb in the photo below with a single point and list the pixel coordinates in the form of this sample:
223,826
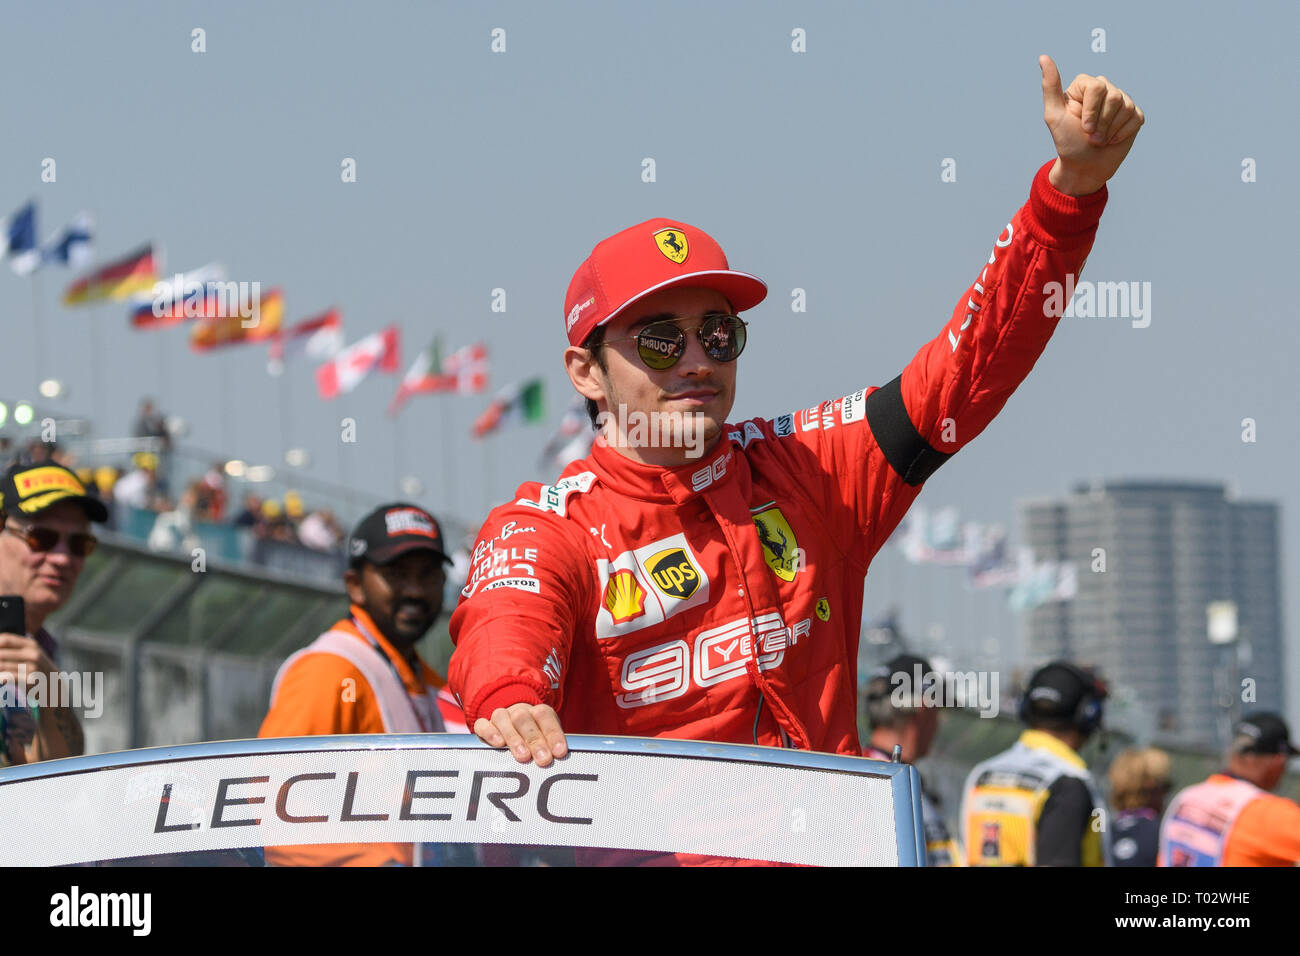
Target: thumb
1053,95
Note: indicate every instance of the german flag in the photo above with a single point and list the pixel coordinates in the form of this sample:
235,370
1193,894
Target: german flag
230,330
128,276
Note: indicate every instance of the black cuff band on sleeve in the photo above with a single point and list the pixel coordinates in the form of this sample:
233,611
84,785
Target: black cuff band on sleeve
907,452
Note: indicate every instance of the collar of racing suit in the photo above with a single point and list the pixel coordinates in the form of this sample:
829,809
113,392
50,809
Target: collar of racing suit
665,486
721,479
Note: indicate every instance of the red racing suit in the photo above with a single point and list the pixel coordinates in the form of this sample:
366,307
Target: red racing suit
721,600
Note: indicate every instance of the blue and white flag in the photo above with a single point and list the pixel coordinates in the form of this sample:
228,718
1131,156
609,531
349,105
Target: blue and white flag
72,245
18,240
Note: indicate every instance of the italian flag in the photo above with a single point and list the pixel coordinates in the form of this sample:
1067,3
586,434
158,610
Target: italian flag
521,399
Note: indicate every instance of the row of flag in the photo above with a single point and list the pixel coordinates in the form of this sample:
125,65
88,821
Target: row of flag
218,310
940,537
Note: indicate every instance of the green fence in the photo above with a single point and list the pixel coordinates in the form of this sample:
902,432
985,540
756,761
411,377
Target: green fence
190,655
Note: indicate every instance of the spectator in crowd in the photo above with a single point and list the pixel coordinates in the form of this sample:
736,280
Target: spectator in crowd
211,504
898,716
320,531
103,481
87,478
105,478
138,488
293,509
251,513
1036,804
151,423
37,452
395,585
275,524
1234,818
173,530
45,516
1139,783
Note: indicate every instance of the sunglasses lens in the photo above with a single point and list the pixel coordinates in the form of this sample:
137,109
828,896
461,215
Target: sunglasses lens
42,539
723,337
660,345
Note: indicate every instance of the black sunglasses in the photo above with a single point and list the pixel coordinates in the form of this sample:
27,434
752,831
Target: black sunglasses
40,540
661,344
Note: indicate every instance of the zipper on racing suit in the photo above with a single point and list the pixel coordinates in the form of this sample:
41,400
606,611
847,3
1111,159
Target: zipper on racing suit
784,740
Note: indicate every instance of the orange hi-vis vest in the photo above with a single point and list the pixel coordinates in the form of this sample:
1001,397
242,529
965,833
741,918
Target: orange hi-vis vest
1226,821
351,680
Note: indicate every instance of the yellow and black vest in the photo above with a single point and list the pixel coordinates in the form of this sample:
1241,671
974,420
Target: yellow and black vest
1004,796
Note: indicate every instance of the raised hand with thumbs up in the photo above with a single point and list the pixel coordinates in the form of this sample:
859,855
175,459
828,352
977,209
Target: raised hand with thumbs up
1093,125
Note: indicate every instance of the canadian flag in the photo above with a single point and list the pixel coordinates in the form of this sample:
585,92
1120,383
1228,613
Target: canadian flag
345,371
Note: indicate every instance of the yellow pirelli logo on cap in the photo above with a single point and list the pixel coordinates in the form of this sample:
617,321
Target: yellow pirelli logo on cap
40,481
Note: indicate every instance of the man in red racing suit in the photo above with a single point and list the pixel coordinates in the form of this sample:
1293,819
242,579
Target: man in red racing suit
719,597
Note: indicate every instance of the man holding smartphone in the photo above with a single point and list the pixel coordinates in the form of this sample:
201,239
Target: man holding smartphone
45,516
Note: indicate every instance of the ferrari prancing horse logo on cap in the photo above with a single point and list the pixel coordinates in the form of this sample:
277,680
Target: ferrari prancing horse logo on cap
672,243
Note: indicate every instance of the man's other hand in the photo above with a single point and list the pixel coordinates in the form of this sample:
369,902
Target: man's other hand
531,731
1093,125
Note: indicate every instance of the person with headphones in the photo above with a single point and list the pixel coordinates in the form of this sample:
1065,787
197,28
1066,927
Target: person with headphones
1035,804
898,716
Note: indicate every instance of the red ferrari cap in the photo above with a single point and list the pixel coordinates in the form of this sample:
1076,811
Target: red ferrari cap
655,255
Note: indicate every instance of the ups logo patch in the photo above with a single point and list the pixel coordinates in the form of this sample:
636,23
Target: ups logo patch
673,574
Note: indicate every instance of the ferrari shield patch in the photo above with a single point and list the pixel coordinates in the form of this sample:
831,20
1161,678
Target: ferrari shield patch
672,243
779,545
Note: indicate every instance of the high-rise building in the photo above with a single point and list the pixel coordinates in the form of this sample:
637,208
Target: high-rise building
1151,556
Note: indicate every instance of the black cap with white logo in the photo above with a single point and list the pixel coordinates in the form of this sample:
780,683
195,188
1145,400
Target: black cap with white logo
391,531
900,675
1268,733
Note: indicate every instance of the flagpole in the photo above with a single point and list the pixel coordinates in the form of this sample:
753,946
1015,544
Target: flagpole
37,344
284,412
162,371
96,356
398,442
227,447
448,472
488,476
343,458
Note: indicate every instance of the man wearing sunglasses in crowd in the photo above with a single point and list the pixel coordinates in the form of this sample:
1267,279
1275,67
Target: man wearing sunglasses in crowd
717,595
44,542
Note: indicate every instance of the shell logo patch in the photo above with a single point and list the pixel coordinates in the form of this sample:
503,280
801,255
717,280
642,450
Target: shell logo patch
823,610
779,545
624,597
672,243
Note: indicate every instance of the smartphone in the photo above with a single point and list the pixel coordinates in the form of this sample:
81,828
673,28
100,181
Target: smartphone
13,614
13,620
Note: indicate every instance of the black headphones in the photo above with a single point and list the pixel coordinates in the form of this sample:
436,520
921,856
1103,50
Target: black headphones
1087,714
